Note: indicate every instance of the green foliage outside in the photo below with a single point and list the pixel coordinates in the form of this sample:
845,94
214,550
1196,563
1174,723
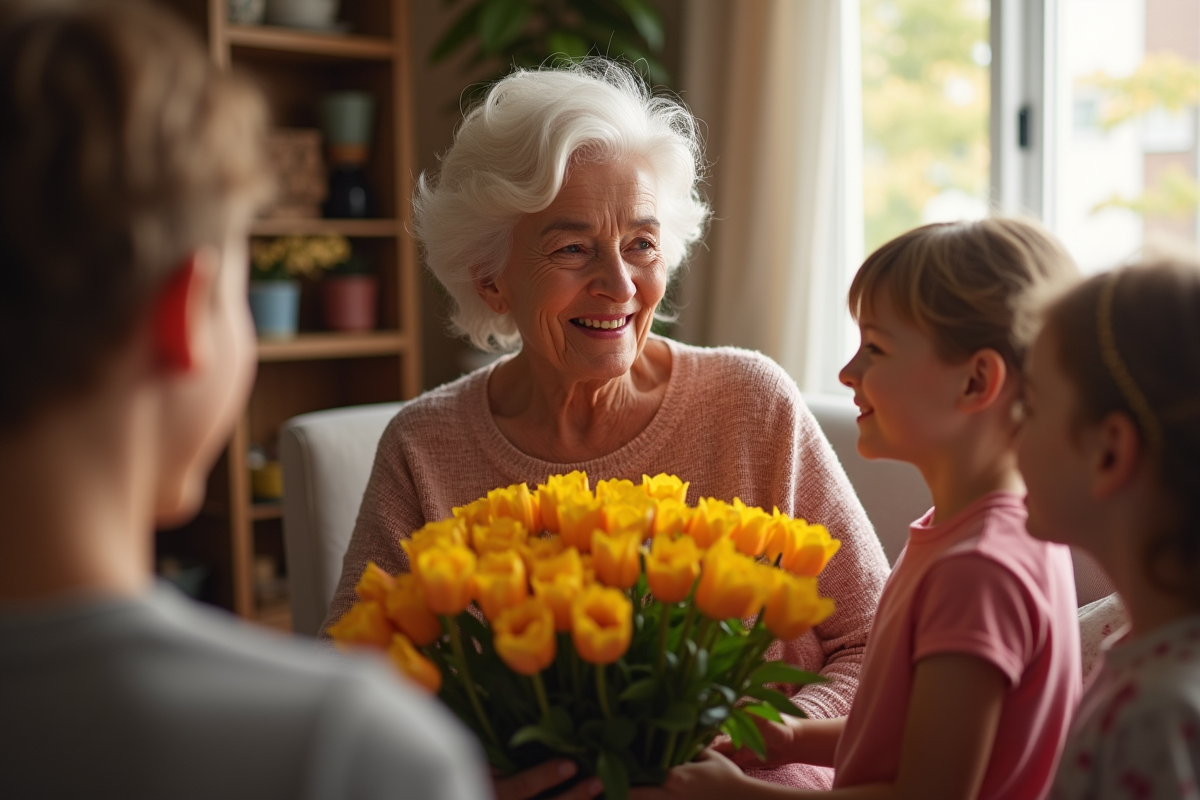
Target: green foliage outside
925,108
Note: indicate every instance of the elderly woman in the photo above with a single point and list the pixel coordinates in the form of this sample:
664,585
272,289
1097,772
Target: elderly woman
562,209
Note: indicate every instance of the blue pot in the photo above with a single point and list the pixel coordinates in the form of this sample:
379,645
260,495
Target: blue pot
275,306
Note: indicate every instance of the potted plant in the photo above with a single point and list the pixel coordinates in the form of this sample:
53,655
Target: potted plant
275,267
348,296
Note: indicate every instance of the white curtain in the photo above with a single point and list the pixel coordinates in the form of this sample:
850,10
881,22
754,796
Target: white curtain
769,79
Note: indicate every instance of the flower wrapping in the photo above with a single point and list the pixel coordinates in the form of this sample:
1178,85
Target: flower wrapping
619,627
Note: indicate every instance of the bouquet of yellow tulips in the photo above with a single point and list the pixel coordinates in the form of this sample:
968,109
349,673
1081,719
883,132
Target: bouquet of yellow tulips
619,627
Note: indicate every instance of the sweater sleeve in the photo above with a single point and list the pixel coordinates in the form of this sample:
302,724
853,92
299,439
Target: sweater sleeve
810,473
390,511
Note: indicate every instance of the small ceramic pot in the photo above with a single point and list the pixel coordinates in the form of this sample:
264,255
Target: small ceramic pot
275,306
349,302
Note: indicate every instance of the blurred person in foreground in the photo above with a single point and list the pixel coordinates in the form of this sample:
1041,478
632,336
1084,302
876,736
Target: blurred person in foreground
130,169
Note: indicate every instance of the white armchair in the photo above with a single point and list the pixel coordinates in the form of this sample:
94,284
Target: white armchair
327,458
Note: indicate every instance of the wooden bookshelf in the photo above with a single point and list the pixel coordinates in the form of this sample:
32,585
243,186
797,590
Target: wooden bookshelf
316,369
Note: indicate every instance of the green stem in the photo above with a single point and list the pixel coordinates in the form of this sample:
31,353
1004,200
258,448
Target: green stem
468,682
540,690
602,691
664,626
668,759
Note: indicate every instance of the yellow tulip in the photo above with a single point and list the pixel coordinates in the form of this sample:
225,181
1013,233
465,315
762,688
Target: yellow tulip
712,521
556,489
516,502
541,548
475,513
781,532
627,517
445,575
374,584
577,518
503,533
557,581
803,549
366,623
665,487
406,607
413,665
524,637
754,528
500,582
616,489
794,606
601,624
671,568
671,517
730,584
616,557
440,534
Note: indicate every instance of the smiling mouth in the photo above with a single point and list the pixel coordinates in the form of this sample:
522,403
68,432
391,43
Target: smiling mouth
602,324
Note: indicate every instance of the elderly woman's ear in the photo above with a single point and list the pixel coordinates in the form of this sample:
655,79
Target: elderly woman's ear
490,294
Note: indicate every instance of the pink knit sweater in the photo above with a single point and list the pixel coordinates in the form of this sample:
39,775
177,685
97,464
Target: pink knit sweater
732,423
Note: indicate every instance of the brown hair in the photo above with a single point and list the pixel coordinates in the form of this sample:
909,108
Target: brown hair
122,150
1129,342
965,284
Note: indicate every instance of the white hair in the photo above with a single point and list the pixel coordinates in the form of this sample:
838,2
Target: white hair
510,158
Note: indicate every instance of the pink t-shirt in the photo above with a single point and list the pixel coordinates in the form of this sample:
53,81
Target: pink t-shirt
977,584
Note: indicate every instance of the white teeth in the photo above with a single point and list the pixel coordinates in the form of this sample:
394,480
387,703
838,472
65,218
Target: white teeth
603,324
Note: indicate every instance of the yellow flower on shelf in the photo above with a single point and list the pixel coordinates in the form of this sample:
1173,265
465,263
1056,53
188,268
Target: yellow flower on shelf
712,521
524,637
366,623
671,567
794,606
665,487
671,517
375,584
413,665
445,575
754,528
601,624
556,489
803,549
478,512
503,533
577,518
500,582
406,607
731,585
620,516
440,534
557,581
516,502
617,557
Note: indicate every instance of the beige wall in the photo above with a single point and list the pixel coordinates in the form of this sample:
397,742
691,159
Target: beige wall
437,89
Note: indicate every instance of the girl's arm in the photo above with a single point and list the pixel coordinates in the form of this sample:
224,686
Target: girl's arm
794,741
948,735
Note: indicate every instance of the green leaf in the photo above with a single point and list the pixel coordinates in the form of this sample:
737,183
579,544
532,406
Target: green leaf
643,689
619,733
713,716
782,703
779,672
612,773
542,734
765,711
729,694
646,20
560,722
678,717
733,729
501,22
701,662
751,736
459,32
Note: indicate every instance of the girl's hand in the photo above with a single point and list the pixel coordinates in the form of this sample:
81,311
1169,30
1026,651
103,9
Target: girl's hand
781,745
711,777
536,780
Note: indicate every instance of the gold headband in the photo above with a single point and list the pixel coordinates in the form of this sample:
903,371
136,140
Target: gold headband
1116,366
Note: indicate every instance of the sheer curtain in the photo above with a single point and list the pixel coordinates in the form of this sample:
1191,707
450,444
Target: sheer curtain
770,80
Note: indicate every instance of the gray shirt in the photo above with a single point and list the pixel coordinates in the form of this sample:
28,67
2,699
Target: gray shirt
160,698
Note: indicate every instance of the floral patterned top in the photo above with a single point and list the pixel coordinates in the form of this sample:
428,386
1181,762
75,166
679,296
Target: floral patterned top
1137,732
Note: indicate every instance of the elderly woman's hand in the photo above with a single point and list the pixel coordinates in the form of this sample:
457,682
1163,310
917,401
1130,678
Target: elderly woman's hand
535,780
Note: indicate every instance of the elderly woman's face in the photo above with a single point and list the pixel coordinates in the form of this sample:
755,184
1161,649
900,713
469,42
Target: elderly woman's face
586,273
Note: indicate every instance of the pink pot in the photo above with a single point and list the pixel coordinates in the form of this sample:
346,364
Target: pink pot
349,302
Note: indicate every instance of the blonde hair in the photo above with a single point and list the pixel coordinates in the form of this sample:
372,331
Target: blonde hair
122,149
966,285
1129,342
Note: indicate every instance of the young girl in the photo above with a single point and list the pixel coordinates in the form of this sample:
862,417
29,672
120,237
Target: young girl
971,671
1111,456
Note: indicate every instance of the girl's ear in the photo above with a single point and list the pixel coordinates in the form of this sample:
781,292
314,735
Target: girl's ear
1117,451
175,313
986,376
490,293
